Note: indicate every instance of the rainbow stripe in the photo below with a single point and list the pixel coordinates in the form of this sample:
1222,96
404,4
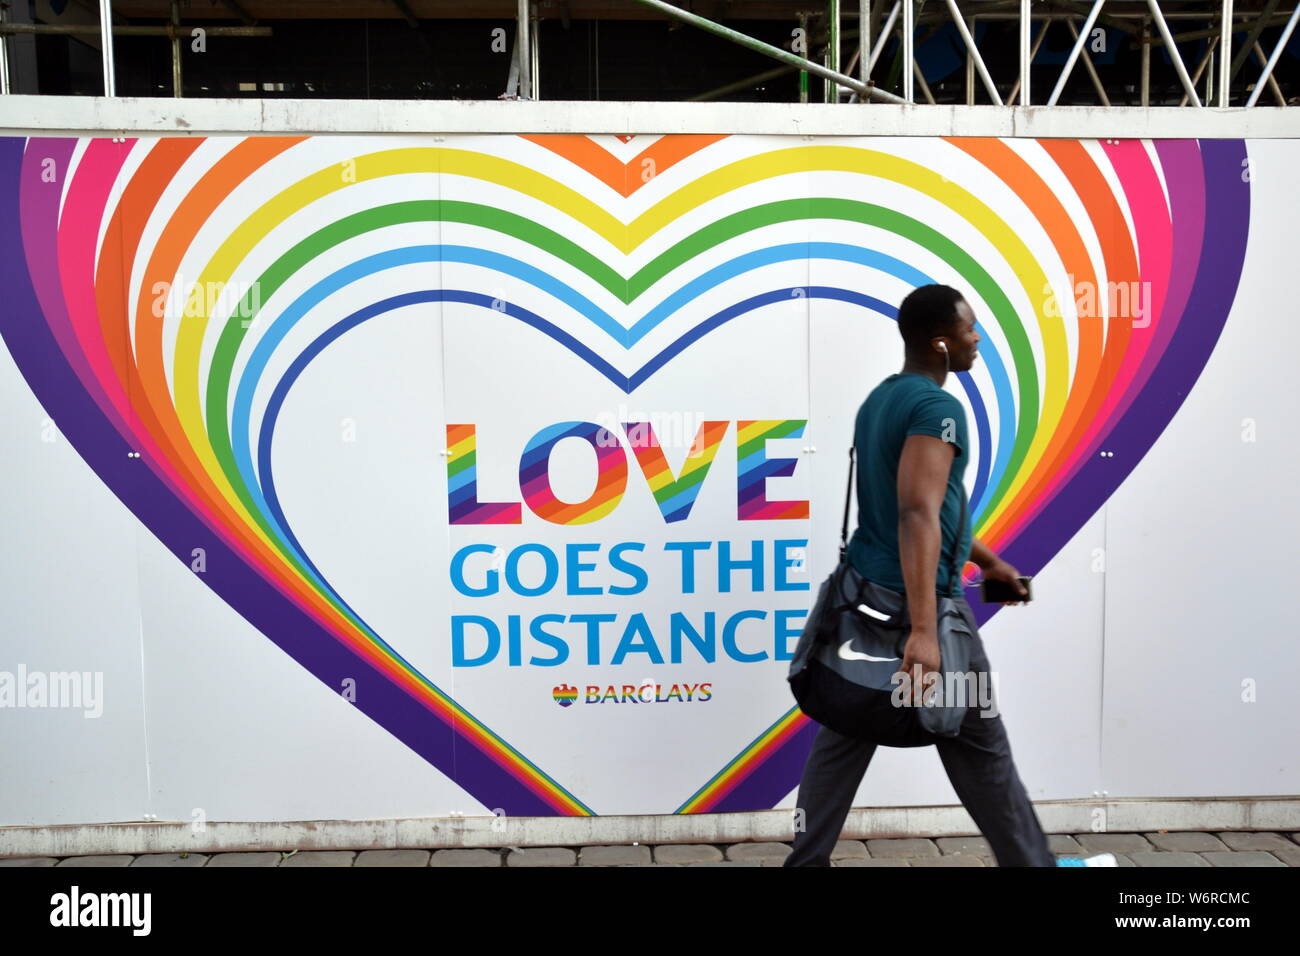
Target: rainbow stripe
119,376
463,506
675,495
611,474
753,468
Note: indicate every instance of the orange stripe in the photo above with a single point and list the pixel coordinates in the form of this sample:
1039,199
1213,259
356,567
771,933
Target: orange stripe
1121,266
124,229
1038,197
624,178
156,410
560,512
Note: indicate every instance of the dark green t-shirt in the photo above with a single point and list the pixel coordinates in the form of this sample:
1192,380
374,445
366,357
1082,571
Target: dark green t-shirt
905,403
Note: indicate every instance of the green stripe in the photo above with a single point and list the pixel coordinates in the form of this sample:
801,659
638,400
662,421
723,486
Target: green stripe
456,465
780,430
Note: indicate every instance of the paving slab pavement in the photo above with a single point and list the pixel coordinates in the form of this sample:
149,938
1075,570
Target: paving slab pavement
1173,849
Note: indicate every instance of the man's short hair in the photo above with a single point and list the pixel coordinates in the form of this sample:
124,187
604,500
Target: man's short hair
927,312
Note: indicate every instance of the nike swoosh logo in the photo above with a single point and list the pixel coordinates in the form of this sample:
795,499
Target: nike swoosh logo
847,653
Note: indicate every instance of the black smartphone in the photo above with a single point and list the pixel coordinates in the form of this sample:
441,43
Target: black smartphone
995,592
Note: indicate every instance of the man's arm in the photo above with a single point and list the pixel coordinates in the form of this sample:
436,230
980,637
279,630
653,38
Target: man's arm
981,554
994,568
923,470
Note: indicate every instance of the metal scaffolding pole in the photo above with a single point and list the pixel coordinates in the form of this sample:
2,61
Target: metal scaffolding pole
909,29
767,49
1087,64
1225,53
535,68
884,34
970,75
745,84
523,49
106,45
974,53
1074,53
1174,55
880,41
920,79
4,56
1282,41
864,41
1038,42
178,86
832,50
93,29
1200,68
1146,63
1262,20
1272,80
803,74
1026,58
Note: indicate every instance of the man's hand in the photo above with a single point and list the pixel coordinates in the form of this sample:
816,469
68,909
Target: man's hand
920,659
1000,570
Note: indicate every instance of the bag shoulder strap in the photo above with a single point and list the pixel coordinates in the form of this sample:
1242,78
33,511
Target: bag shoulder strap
848,494
961,531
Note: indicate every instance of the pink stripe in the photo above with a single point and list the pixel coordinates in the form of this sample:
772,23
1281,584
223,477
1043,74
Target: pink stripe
607,460
40,245
495,513
83,212
1173,243
1151,223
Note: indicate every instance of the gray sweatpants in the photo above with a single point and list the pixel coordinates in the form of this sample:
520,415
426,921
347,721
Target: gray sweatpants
979,765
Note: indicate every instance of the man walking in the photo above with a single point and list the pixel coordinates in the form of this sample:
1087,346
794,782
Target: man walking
912,449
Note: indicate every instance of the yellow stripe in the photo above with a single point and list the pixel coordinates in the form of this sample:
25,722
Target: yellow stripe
895,169
395,162
741,759
626,238
463,447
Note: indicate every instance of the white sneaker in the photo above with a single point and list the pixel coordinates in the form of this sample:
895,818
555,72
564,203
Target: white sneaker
1101,859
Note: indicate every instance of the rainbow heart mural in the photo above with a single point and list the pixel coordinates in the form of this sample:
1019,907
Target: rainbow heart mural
175,409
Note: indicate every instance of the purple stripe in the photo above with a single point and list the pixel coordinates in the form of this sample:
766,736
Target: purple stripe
1225,225
52,380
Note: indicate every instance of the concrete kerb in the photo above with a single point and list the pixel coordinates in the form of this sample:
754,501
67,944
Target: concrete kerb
1133,816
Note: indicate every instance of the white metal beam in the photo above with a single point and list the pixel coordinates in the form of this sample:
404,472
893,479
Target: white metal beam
1026,57
4,55
1074,52
1174,55
1272,60
884,34
1272,80
524,48
21,115
864,40
909,30
106,46
974,53
1092,70
1225,53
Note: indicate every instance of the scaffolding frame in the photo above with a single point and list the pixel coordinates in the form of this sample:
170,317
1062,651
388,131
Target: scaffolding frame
1219,66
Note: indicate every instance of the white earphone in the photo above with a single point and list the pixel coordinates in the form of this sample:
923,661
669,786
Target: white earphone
943,346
